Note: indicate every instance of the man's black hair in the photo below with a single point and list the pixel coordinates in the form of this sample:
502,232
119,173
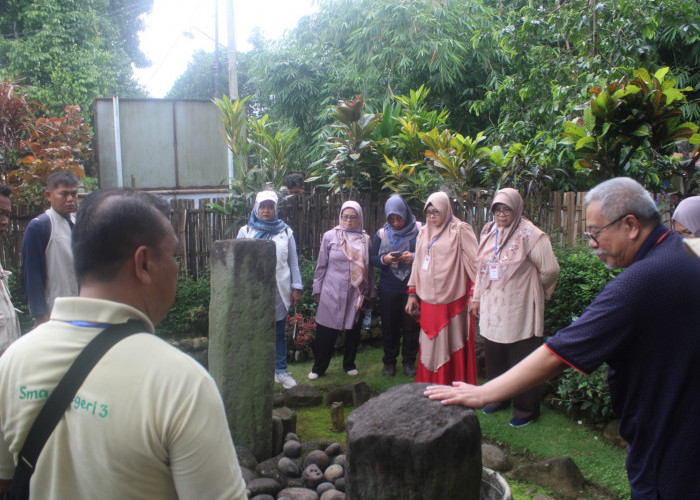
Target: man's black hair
294,180
65,178
110,225
5,191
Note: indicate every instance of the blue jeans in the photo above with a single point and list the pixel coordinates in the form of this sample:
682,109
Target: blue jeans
281,346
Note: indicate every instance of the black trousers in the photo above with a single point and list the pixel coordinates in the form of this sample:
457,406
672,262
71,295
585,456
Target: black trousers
502,357
397,325
324,344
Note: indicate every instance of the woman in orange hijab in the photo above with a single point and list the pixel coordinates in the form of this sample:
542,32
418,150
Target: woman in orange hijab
440,285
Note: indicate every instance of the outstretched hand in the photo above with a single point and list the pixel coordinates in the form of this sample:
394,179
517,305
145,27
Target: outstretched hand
459,393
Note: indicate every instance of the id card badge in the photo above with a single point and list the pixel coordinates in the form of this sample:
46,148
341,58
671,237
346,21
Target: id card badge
493,271
426,262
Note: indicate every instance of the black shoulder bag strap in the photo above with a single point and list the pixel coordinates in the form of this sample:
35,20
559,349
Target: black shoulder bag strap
59,400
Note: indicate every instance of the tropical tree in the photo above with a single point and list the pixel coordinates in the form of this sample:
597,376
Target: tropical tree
627,124
54,144
197,82
514,70
70,52
270,148
398,139
355,163
259,148
17,116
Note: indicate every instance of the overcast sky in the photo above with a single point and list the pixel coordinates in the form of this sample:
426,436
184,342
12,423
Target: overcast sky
176,29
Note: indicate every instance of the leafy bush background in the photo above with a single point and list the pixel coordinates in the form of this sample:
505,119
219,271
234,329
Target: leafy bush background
25,319
189,314
308,305
589,394
582,276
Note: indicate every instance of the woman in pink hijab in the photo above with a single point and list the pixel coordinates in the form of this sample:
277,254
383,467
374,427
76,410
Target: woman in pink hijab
440,286
343,282
516,272
686,218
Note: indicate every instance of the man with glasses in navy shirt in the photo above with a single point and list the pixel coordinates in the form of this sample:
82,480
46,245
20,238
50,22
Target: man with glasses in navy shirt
645,324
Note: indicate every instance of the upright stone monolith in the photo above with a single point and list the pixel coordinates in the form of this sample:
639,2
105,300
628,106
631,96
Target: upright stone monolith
403,446
242,338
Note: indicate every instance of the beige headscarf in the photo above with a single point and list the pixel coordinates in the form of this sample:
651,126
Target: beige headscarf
355,246
514,242
452,249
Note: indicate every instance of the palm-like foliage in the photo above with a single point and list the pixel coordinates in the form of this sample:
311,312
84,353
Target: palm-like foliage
458,160
271,148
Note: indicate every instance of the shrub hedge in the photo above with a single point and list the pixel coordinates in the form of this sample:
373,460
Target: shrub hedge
583,275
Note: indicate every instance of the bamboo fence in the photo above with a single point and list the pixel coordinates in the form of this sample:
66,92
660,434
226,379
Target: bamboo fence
559,214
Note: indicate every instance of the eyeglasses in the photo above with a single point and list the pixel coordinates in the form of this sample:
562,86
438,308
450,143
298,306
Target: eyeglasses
686,233
432,213
350,217
593,235
502,210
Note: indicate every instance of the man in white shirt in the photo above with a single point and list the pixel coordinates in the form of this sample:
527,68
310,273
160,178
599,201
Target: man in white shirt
9,326
47,258
148,422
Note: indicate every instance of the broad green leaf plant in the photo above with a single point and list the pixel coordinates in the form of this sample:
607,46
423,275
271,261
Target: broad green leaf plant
627,125
259,156
355,163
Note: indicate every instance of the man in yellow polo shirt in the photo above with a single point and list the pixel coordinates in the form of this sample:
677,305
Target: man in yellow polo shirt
148,422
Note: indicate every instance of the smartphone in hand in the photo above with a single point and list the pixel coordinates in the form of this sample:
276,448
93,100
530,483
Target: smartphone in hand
396,255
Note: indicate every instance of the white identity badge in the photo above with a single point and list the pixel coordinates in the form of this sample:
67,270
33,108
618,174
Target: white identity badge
426,262
493,271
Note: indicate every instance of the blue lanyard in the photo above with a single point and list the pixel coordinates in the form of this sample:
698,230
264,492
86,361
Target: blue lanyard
395,243
362,233
439,234
495,246
89,324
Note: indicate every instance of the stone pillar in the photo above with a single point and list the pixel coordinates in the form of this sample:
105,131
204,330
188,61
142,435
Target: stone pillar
403,446
242,338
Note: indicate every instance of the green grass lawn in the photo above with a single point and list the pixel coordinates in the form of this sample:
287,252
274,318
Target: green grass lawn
554,434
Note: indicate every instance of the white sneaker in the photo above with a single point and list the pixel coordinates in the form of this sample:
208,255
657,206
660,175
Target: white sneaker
312,376
285,379
353,372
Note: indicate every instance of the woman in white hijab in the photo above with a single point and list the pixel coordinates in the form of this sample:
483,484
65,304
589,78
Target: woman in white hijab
265,224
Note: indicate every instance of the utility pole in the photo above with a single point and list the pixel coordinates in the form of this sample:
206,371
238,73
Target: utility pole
217,94
232,61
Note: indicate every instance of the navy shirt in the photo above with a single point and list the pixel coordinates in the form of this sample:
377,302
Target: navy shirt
645,324
387,281
34,243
